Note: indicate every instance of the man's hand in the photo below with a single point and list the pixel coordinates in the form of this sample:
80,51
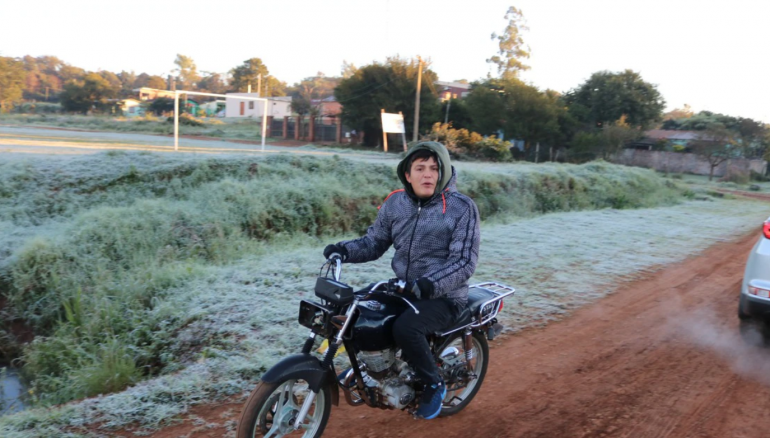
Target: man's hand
422,289
336,249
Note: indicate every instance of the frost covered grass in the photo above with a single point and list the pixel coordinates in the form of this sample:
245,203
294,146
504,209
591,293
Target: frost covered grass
211,127
131,266
244,314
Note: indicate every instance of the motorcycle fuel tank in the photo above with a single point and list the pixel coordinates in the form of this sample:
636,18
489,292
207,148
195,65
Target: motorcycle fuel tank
373,330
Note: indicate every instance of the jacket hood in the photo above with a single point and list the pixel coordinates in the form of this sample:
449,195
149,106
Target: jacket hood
444,165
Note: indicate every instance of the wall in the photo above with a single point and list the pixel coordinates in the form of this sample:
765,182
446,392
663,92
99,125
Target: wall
683,163
276,107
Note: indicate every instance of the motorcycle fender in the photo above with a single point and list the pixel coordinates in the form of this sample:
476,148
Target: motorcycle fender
305,367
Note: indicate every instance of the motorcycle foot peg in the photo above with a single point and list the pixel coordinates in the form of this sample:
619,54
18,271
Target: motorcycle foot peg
493,331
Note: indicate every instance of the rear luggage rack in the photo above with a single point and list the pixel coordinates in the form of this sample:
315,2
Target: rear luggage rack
500,291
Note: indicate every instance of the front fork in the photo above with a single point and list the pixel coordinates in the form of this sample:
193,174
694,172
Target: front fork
327,362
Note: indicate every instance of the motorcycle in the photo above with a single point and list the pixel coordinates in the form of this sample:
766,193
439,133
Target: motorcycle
294,397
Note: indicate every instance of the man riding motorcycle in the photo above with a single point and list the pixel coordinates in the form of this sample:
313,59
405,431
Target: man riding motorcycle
435,232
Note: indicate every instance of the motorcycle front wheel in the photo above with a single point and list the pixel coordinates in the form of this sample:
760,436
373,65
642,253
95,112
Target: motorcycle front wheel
462,383
272,408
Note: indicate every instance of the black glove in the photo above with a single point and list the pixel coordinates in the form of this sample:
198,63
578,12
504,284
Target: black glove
422,289
339,249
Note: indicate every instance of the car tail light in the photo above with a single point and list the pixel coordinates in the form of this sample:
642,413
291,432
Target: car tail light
500,309
766,229
762,293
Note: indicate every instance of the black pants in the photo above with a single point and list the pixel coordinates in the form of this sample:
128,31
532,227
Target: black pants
410,331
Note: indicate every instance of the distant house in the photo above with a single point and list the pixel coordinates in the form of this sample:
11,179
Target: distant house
189,106
278,107
131,107
671,138
146,93
452,90
213,108
329,110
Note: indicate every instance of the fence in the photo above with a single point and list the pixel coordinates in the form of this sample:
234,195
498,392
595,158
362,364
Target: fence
678,162
312,129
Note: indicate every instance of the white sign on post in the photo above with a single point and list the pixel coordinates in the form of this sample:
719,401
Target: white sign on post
393,123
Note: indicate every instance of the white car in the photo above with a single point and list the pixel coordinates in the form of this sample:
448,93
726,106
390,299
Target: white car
754,304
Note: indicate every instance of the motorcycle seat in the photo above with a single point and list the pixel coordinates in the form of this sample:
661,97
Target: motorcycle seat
476,297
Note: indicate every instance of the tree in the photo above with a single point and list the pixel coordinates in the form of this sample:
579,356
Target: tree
455,112
145,80
348,69
248,74
309,89
486,107
390,86
187,72
511,46
521,111
161,105
12,76
69,72
113,80
608,96
716,144
127,83
90,93
213,83
679,113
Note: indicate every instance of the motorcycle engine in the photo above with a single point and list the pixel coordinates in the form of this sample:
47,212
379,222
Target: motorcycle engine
390,375
377,361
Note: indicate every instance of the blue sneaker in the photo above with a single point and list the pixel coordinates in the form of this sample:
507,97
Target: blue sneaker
431,401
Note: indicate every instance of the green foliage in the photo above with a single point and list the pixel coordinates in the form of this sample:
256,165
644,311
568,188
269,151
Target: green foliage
511,46
607,96
602,143
186,120
248,74
11,82
456,112
38,108
521,111
92,93
390,86
464,144
161,105
187,72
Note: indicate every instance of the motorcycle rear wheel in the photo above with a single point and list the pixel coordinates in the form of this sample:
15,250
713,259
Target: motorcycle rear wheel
458,398
270,411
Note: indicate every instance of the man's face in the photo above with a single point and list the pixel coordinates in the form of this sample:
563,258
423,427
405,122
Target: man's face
423,176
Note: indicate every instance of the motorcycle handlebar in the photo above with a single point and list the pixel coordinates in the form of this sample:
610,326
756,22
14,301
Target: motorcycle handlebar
394,286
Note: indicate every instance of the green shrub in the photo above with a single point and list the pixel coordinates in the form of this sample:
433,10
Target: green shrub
462,143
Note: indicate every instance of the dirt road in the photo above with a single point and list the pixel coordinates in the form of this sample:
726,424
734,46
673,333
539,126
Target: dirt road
660,358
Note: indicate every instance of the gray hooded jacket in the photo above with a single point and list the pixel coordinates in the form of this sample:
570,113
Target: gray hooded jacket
436,238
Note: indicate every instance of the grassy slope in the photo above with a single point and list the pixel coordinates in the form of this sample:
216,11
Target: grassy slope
178,264
211,127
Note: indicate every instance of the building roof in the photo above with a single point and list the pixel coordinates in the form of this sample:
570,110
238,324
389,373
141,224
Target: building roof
454,84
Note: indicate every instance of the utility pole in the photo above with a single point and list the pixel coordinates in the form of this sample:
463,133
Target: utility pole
259,84
448,104
417,100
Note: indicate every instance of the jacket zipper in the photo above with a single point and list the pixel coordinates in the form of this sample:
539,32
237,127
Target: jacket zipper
411,240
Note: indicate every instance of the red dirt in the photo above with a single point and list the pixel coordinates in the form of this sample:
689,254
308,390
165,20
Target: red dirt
660,358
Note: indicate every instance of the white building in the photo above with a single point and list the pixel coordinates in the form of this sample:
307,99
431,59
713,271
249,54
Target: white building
278,107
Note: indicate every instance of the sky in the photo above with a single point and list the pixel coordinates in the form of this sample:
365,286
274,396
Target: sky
708,54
